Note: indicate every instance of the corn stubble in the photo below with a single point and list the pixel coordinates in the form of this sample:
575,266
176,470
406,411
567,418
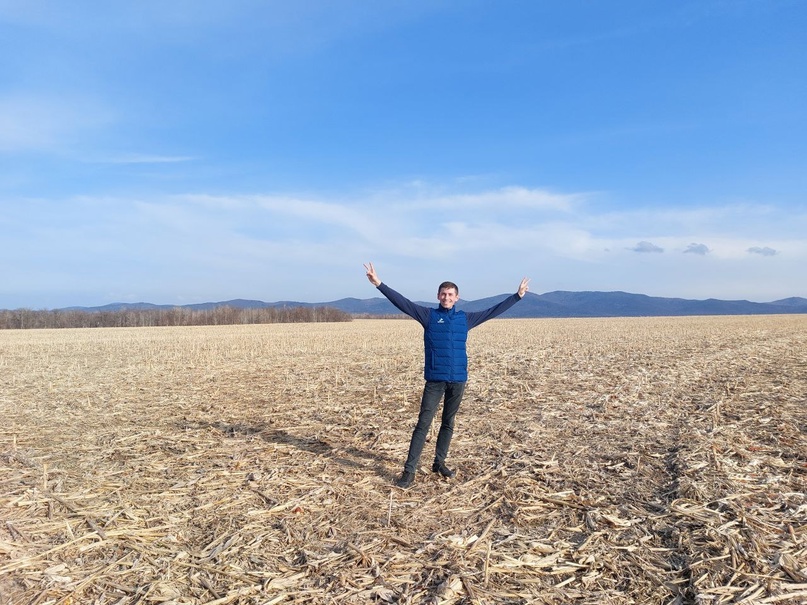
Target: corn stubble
601,461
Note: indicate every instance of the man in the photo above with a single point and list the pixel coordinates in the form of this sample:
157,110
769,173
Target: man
445,331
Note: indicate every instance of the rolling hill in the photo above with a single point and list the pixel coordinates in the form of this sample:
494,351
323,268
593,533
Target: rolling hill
550,304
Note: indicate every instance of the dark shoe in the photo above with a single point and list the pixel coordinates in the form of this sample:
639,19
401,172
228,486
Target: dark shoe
439,467
405,480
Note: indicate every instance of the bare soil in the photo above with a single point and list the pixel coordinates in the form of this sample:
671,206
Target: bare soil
601,461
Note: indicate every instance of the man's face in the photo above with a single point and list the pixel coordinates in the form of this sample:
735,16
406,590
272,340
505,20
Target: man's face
447,297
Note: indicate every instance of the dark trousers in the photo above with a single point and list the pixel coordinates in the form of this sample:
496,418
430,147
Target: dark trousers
433,392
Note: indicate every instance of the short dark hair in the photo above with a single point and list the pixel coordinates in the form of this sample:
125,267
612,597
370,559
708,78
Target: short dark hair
448,284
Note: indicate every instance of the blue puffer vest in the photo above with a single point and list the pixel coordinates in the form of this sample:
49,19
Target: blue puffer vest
444,341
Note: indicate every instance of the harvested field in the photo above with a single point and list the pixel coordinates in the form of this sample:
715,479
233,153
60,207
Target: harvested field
600,461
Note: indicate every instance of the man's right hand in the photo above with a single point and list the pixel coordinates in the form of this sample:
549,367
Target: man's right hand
372,275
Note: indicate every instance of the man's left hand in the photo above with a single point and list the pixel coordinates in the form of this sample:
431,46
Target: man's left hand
523,287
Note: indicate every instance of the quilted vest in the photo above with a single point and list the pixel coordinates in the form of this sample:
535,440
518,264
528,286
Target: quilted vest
444,342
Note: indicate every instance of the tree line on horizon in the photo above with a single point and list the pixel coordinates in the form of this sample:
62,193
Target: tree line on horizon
21,319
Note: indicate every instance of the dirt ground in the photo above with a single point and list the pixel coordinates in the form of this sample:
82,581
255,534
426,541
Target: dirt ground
599,461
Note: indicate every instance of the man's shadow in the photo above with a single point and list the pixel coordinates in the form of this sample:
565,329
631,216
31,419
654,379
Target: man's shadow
346,455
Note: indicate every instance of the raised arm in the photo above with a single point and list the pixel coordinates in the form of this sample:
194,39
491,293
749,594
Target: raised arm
421,314
477,317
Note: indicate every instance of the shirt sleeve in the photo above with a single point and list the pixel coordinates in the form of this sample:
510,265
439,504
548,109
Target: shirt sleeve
474,318
416,312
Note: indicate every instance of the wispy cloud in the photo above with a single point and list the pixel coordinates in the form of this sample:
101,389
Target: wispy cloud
515,197
136,158
30,122
464,225
257,245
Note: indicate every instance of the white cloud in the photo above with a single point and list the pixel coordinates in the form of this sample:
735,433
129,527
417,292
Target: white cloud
265,225
200,247
333,213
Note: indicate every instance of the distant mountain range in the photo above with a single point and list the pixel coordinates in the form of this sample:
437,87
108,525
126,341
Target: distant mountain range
551,304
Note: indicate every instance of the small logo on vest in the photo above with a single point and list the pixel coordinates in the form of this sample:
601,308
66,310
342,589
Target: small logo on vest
441,321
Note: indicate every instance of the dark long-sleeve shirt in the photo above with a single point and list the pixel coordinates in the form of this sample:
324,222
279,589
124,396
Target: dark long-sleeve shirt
445,333
422,314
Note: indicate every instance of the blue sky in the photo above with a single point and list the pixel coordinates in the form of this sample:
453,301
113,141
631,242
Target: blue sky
187,151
